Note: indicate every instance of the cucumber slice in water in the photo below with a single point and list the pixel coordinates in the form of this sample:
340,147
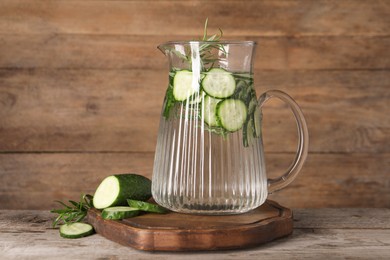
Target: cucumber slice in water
241,91
146,206
196,99
183,87
76,230
257,122
115,213
219,83
232,114
210,110
115,189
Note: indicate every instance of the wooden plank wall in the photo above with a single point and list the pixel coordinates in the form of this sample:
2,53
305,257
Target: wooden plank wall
82,84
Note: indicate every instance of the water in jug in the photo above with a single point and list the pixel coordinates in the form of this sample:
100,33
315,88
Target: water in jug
209,155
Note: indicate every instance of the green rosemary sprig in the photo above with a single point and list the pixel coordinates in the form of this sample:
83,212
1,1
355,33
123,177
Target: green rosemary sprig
215,37
205,50
207,57
74,212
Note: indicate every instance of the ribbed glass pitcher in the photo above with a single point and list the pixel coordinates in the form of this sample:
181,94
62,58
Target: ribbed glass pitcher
209,156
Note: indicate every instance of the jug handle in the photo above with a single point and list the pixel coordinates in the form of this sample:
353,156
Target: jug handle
303,140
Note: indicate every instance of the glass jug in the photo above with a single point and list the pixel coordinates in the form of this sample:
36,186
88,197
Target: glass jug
209,155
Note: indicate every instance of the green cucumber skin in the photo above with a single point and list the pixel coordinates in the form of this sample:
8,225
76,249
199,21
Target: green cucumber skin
117,215
146,206
132,186
85,234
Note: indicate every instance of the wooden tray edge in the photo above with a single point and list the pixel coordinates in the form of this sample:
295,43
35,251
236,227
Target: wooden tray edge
246,236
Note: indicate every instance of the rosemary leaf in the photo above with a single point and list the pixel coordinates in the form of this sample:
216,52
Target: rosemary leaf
205,29
74,212
205,49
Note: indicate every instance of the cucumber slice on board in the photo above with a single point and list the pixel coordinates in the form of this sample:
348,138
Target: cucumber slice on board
182,85
116,189
116,213
219,83
146,206
76,230
210,110
231,114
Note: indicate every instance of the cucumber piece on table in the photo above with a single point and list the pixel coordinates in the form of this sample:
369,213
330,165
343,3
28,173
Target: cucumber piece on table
116,189
219,83
116,213
232,114
76,230
210,110
146,206
183,87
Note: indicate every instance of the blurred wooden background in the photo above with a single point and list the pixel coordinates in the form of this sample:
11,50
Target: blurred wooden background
82,85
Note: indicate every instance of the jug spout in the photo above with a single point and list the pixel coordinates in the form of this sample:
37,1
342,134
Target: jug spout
162,48
165,47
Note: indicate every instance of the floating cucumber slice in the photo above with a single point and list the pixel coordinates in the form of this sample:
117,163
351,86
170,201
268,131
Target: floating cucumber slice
231,114
210,110
257,122
183,86
219,83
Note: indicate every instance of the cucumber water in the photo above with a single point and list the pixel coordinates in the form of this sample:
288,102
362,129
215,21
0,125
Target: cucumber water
220,101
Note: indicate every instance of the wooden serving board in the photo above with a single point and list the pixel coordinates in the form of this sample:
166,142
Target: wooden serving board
183,232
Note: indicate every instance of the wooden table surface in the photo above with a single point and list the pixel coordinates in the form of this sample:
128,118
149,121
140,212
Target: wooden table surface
318,233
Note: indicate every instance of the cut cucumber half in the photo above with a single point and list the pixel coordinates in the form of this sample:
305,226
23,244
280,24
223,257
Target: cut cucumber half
146,206
231,114
76,230
219,83
183,86
210,110
116,213
115,189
